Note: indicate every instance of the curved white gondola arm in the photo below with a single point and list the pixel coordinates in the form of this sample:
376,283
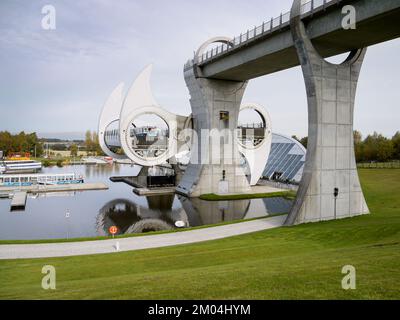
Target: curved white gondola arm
139,94
110,114
139,101
257,157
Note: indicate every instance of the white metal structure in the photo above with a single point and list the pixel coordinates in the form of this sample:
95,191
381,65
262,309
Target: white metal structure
117,124
257,155
109,123
19,166
119,114
39,179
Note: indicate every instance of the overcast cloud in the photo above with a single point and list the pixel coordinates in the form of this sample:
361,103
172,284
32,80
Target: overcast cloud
57,81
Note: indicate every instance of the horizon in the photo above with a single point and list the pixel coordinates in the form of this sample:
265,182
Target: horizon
70,136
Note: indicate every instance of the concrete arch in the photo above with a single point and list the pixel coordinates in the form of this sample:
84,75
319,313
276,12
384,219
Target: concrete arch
297,27
330,161
221,39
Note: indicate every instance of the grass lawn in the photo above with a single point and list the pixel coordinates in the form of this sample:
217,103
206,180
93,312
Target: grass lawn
302,262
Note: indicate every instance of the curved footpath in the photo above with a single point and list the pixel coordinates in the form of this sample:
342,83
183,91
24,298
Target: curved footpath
48,250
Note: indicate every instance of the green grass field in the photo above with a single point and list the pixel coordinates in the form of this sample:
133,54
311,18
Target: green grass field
302,262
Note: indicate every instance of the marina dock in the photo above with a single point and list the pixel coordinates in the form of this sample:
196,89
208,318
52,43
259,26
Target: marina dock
154,191
56,188
18,201
140,189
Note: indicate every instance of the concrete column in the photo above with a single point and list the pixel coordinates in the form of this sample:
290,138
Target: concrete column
142,176
330,162
209,98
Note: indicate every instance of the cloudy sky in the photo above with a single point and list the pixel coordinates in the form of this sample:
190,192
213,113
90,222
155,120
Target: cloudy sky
55,82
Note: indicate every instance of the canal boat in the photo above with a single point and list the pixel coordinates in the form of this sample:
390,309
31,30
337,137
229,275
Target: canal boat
40,179
19,166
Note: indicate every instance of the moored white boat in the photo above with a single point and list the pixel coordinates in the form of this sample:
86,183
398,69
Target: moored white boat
20,166
24,180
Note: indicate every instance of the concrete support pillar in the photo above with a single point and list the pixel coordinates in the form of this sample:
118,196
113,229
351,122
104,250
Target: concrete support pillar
210,98
330,162
142,176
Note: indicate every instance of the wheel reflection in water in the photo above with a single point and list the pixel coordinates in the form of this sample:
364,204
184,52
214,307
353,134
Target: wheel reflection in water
131,217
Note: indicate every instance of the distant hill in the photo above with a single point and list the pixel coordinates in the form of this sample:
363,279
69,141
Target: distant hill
62,136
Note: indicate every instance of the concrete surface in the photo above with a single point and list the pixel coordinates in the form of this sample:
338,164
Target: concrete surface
19,200
208,98
330,162
377,21
25,251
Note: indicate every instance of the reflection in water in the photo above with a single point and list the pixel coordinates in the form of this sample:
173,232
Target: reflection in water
93,212
201,212
159,214
58,194
131,217
99,171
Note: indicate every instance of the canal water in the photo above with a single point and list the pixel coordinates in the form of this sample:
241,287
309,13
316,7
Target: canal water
91,213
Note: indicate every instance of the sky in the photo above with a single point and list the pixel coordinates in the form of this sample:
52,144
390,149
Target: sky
55,82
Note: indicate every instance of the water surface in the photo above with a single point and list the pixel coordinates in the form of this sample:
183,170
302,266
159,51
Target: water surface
91,213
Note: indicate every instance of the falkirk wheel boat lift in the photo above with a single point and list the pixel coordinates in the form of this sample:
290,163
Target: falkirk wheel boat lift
171,148
209,151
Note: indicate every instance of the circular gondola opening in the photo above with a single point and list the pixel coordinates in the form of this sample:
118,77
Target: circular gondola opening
149,136
251,128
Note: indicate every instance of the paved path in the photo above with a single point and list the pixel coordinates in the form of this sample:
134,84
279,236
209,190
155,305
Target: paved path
22,251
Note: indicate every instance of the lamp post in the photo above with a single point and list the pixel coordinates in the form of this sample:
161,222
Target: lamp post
335,194
67,215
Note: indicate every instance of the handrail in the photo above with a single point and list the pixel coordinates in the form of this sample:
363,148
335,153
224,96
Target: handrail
311,6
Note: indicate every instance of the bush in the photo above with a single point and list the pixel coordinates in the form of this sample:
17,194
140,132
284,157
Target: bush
46,163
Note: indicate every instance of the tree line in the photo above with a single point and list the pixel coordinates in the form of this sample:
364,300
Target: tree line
92,144
20,143
374,148
30,143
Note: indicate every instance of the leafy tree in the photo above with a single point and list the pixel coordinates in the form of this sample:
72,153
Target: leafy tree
59,147
396,145
377,148
358,145
304,142
96,144
74,150
20,143
357,136
88,141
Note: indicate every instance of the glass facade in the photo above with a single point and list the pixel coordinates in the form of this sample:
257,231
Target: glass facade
286,160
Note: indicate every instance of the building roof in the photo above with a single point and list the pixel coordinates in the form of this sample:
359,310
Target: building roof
286,159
